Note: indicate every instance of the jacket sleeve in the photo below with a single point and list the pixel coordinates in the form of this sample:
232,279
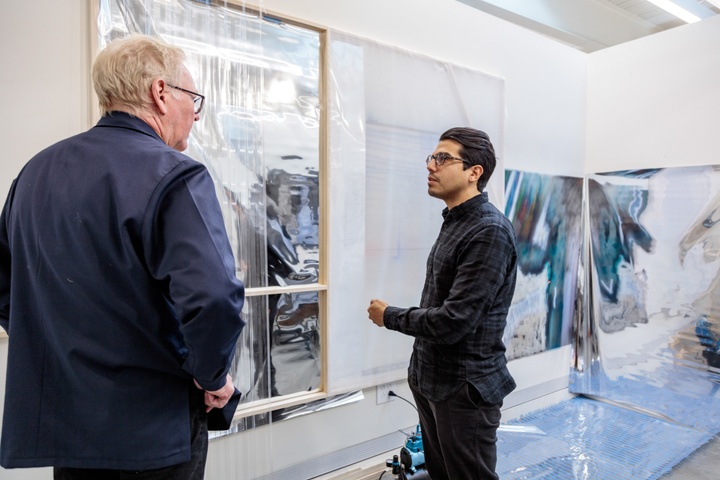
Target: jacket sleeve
187,249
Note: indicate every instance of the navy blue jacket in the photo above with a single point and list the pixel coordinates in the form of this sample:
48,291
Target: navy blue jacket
117,288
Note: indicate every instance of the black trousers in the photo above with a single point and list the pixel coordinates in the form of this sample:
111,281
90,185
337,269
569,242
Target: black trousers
191,470
459,435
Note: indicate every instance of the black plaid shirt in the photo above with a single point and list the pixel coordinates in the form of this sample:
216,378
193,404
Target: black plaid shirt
459,325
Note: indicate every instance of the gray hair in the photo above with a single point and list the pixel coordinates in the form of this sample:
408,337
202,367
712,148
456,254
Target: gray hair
124,70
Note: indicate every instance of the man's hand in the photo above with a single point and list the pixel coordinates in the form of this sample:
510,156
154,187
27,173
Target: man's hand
376,312
218,398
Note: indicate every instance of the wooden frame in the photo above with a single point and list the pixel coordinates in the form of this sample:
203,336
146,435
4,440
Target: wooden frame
270,404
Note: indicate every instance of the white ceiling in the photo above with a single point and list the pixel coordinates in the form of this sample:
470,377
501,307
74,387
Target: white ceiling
591,25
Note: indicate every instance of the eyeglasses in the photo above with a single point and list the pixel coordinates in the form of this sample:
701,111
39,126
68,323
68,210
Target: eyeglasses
198,100
441,158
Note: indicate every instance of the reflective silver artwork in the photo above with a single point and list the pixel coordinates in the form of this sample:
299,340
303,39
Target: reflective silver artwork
651,336
259,137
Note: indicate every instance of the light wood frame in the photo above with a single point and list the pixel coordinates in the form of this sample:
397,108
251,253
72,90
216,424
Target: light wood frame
285,401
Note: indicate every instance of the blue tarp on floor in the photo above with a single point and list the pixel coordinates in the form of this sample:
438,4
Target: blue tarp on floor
587,439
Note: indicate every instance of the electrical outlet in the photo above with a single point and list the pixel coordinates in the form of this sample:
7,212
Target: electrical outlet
383,392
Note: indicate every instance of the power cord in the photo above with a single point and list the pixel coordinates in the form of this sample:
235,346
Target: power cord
393,394
395,458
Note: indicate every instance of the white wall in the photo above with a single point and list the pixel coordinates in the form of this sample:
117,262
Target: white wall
44,46
655,102
44,77
544,80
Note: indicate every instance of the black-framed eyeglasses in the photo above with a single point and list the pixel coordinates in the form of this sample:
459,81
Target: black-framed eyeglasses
198,99
441,158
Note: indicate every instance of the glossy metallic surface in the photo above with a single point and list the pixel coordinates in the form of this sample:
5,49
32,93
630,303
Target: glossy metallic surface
258,135
651,339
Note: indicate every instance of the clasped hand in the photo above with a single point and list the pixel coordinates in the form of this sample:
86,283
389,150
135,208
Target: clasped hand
218,398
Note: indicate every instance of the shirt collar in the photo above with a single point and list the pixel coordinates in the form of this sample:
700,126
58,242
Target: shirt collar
466,206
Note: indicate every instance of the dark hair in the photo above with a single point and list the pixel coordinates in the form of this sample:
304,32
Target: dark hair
476,149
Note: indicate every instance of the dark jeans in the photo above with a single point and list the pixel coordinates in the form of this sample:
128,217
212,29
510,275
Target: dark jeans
459,435
192,470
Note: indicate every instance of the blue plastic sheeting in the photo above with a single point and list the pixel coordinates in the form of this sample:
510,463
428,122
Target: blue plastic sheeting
584,439
683,395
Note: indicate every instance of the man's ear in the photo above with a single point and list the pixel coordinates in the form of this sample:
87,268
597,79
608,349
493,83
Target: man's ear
159,91
477,171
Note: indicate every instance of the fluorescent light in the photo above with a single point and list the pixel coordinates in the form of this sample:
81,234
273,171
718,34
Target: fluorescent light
675,9
714,2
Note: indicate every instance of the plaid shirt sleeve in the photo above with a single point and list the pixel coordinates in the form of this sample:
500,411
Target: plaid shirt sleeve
460,294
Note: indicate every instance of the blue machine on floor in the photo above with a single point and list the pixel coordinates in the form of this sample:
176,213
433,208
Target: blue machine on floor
411,462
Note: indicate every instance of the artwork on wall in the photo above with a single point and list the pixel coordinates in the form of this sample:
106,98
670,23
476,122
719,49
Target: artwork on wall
653,329
546,212
259,136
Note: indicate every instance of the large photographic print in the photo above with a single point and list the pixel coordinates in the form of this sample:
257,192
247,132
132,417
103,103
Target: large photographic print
546,212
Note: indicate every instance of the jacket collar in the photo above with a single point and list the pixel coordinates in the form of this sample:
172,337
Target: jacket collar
125,120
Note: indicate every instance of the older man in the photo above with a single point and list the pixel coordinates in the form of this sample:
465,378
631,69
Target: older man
117,285
458,373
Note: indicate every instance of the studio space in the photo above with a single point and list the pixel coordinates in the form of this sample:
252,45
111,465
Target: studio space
319,116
